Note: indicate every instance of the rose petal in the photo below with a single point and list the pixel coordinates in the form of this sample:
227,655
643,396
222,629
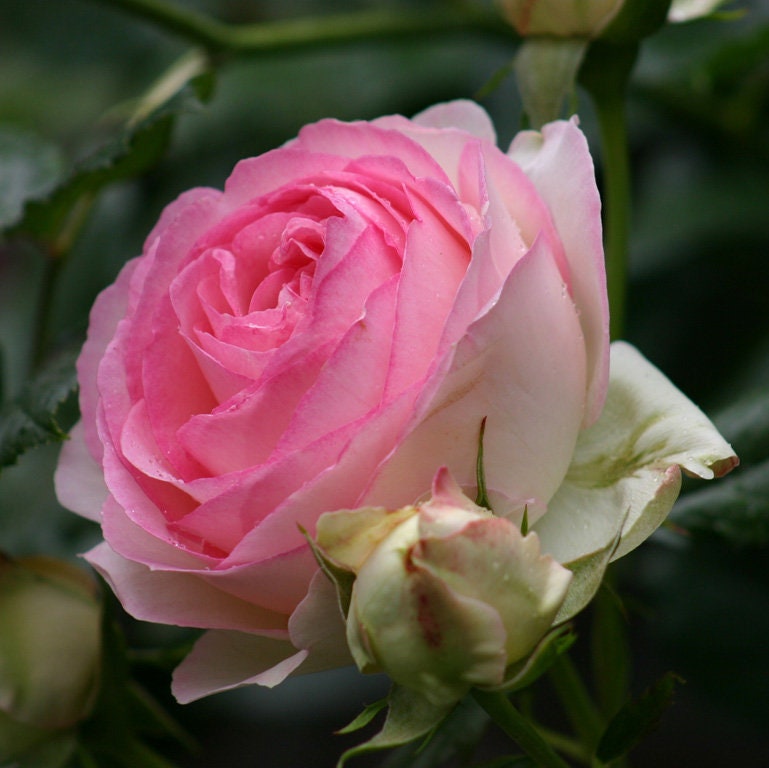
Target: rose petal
628,462
530,387
78,478
222,660
179,598
461,113
558,162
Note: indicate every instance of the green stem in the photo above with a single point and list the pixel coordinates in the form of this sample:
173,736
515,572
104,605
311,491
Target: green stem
575,698
612,121
518,728
605,73
308,32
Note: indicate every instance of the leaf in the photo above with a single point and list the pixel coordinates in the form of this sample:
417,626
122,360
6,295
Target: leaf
409,717
32,419
737,509
745,423
29,168
637,719
138,147
129,155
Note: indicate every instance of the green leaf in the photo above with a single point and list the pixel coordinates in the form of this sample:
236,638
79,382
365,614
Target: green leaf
637,719
32,419
409,717
51,219
736,509
138,147
29,168
745,423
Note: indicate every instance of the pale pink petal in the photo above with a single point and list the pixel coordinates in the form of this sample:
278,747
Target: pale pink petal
179,598
222,660
277,583
256,176
530,386
78,478
339,486
463,114
558,162
355,140
435,260
108,309
318,626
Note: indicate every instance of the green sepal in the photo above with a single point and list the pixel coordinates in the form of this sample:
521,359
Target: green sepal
342,578
546,70
364,718
525,521
482,498
409,717
529,670
588,573
637,718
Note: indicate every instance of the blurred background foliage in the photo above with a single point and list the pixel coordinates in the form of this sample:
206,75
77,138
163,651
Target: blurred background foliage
696,595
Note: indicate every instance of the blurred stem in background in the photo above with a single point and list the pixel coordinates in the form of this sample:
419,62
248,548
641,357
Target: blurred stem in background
307,32
605,73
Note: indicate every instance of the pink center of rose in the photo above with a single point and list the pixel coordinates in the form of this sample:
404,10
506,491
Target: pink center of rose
270,303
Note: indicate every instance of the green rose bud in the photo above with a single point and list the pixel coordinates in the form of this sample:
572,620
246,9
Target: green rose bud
560,18
446,596
49,645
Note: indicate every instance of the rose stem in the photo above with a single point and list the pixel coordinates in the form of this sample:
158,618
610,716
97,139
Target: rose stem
512,722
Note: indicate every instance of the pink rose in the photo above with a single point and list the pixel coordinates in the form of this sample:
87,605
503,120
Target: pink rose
326,333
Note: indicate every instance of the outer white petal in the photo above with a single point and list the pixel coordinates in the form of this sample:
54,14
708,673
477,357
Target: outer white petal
79,479
626,470
688,10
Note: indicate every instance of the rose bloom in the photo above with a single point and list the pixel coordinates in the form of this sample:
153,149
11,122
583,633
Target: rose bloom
325,333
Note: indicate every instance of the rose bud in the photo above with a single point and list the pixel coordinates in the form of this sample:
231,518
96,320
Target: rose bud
50,640
562,18
447,596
